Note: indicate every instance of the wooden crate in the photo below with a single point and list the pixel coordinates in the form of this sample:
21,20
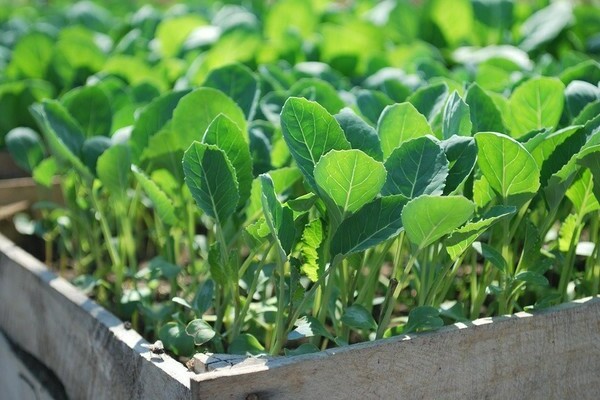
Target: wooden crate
552,354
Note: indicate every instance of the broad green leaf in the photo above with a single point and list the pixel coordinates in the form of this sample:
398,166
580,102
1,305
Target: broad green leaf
151,120
92,149
63,135
579,94
483,193
457,117
429,218
90,107
211,179
371,104
544,144
312,237
25,147
374,223
461,153
32,56
545,25
283,180
113,168
280,219
203,299
494,13
360,134
590,158
419,166
163,205
201,331
227,136
246,344
358,317
44,173
196,110
536,104
581,192
492,255
485,116
238,82
399,123
508,167
430,100
171,33
320,91
350,178
454,19
589,112
175,339
310,132
423,318
462,238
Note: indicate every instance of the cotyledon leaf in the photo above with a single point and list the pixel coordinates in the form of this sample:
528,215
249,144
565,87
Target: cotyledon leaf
163,205
211,179
376,222
225,134
462,238
419,166
428,218
350,178
310,132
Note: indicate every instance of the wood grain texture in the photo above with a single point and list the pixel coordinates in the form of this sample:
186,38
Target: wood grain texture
85,346
554,354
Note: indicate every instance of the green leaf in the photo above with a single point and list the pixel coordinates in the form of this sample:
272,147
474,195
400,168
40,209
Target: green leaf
579,94
350,178
589,112
492,255
312,237
320,91
399,123
428,218
310,132
371,103
200,331
457,117
175,339
485,116
358,317
419,166
461,153
308,327
113,167
92,149
360,134
25,147
163,205
581,192
566,232
171,33
280,219
203,299
226,135
238,82
430,100
545,25
63,136
536,104
152,119
423,318
246,344
532,277
196,110
211,179
375,223
462,238
508,167
590,158
32,55
90,107
45,171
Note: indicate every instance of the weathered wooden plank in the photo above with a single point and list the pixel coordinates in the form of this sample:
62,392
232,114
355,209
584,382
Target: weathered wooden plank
554,354
8,168
85,346
19,189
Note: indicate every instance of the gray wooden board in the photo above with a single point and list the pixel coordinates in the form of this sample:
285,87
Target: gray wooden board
84,345
554,354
